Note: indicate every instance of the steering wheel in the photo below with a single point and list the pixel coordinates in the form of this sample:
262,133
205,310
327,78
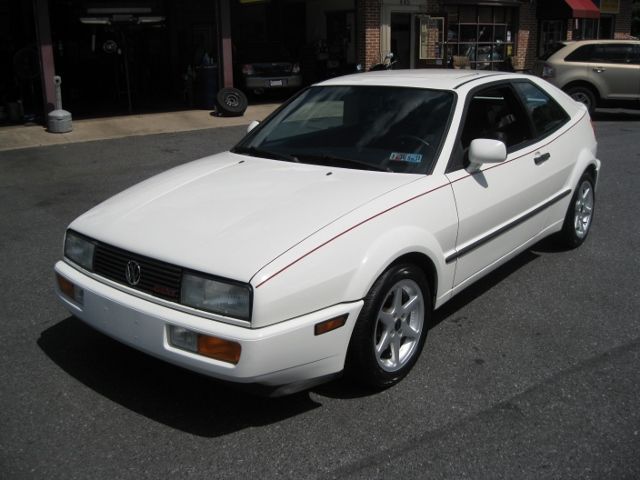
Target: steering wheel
415,139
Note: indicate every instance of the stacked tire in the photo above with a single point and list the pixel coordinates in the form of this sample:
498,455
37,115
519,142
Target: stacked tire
231,102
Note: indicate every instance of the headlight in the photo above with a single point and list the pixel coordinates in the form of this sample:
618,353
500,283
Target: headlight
79,249
224,298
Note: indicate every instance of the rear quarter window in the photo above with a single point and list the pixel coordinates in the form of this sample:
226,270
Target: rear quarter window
546,115
580,54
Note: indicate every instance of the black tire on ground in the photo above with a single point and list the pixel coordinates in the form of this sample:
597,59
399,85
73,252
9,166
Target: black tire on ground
391,329
577,222
583,95
231,102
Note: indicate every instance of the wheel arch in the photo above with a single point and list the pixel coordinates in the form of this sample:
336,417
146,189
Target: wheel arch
593,171
426,265
584,84
587,163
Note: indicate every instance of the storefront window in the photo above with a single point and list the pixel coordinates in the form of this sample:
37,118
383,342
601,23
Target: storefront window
585,29
480,37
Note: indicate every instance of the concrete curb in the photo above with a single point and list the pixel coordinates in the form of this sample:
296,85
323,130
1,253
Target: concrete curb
27,136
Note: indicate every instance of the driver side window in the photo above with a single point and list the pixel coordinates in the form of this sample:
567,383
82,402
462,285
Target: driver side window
491,113
495,113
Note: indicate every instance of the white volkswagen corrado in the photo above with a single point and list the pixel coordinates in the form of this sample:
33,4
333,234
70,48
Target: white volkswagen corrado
323,241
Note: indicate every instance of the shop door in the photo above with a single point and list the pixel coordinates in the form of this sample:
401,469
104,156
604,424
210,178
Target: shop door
401,39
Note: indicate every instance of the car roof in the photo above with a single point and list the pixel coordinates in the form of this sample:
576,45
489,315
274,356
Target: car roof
461,81
569,46
439,79
597,42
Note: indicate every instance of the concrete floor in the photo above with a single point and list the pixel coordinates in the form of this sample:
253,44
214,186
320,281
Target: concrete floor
25,136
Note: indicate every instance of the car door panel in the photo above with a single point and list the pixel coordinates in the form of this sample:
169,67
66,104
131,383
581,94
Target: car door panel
492,200
617,81
503,206
495,212
615,71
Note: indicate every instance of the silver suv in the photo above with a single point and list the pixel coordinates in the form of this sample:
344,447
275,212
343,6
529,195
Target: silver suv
595,72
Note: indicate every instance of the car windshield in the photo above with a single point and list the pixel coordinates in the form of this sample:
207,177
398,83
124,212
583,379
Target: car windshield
394,129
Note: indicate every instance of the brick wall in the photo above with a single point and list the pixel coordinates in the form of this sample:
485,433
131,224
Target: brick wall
623,20
570,23
527,37
368,17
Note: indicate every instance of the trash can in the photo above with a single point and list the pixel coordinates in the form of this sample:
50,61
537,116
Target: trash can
206,86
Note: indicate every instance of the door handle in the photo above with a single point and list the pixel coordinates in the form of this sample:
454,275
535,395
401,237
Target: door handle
599,69
541,158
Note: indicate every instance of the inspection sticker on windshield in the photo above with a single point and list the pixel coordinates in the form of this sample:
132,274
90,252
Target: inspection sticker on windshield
405,157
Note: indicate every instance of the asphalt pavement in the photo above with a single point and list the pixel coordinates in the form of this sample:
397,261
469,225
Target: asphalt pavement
532,373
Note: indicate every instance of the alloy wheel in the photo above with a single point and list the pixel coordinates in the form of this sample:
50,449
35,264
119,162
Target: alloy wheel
583,209
399,325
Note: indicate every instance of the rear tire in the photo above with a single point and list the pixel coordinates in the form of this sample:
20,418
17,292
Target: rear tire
577,222
391,329
583,95
231,102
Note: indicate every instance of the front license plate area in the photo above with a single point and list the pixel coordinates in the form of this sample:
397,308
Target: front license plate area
276,83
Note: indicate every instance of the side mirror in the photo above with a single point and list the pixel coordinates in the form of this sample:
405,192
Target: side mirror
485,150
252,125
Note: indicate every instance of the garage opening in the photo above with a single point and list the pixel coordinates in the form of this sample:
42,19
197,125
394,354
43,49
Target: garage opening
133,56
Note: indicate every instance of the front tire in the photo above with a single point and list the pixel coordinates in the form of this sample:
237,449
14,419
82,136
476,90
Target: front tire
392,327
577,222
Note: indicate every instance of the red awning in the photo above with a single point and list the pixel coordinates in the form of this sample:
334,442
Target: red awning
583,8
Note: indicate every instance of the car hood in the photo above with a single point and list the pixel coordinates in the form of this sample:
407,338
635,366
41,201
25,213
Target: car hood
230,215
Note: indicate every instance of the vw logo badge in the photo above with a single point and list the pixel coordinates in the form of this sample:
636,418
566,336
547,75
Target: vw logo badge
132,272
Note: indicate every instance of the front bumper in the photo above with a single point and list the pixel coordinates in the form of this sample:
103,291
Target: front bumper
281,354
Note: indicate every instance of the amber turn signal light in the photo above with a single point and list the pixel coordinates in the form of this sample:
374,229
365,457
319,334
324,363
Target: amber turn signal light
219,349
69,290
331,324
66,286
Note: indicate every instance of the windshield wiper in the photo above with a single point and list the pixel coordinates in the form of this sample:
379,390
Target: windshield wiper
324,159
263,153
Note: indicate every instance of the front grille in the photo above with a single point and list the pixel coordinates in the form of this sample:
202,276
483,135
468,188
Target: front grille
272,70
156,278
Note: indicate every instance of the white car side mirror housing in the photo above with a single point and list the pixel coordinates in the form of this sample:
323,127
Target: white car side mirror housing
486,150
252,125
